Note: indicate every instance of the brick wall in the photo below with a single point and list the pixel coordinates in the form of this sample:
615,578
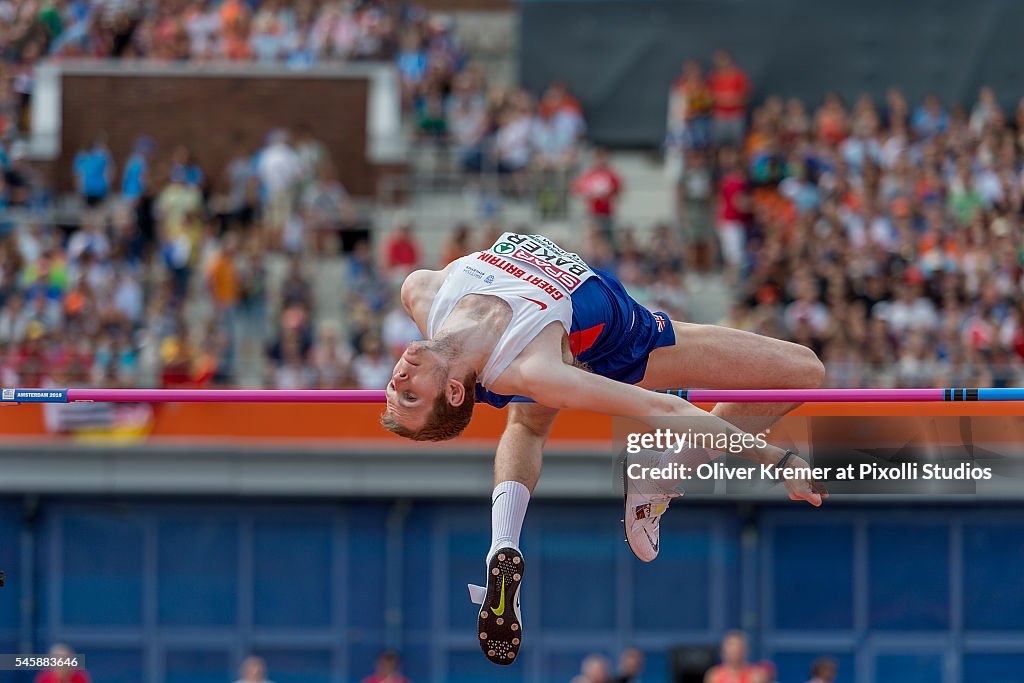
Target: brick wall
210,114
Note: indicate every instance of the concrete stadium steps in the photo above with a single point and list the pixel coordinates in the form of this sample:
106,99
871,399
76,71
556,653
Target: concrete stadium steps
491,39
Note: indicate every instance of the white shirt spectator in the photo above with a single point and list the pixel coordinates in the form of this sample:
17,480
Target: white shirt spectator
88,239
398,330
903,315
814,312
513,142
279,167
204,34
372,370
128,298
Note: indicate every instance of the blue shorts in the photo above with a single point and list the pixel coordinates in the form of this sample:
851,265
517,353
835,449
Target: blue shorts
611,333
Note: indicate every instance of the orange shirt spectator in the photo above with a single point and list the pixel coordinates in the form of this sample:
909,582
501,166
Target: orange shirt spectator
225,283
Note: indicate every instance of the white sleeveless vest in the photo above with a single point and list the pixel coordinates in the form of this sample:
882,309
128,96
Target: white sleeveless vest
529,272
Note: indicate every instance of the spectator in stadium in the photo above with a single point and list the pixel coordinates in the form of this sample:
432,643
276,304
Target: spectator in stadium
136,186
631,666
253,670
326,209
94,172
457,244
466,119
557,129
388,669
182,159
595,669
930,119
280,171
397,331
513,146
372,368
20,185
225,286
824,670
63,674
240,201
689,109
331,357
402,251
734,665
600,186
730,92
695,188
733,212
296,290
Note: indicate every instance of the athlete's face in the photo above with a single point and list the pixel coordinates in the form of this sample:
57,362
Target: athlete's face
415,382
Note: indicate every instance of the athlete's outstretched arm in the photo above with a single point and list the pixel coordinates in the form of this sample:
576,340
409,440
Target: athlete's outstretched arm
520,451
568,387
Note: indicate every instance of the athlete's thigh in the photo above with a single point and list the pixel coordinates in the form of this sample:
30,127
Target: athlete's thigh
718,357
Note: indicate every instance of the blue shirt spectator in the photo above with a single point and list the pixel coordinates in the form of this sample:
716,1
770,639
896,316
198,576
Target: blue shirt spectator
133,184
93,171
930,119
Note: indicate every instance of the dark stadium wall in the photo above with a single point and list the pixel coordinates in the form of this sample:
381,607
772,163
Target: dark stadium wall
619,57
211,115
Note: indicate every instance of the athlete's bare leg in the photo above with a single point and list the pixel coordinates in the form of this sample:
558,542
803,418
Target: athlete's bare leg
708,356
520,451
715,357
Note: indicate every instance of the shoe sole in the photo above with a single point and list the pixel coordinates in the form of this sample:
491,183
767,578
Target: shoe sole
500,635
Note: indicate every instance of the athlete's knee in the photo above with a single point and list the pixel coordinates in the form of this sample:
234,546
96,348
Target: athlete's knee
808,370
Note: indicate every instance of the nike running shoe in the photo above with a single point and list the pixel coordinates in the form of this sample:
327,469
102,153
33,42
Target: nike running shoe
642,516
499,627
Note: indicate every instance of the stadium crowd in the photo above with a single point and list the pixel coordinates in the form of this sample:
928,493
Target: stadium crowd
885,236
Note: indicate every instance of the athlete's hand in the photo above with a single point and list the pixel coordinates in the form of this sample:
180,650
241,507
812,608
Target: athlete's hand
799,488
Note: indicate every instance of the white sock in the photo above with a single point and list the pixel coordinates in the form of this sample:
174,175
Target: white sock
508,510
689,457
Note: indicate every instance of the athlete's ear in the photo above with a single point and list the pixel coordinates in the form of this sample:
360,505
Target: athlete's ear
456,392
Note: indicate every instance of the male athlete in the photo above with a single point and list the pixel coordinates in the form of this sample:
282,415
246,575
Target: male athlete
526,318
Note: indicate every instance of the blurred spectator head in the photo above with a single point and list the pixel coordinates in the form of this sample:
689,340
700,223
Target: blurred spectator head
734,649
722,59
144,145
596,669
631,663
824,670
253,670
65,674
388,663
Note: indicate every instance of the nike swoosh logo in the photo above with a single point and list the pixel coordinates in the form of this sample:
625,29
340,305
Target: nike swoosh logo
495,500
649,540
501,603
543,306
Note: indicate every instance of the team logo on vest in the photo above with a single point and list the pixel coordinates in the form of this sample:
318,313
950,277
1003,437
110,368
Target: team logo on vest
489,279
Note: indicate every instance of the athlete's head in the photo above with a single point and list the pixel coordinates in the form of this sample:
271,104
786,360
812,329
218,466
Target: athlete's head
426,401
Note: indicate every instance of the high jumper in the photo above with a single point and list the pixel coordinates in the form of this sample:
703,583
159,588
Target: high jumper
527,318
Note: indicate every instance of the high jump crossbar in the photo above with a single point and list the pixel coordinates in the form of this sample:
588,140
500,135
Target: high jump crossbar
45,395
